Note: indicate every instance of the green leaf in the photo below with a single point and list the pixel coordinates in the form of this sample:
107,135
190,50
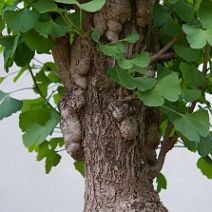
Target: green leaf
191,94
37,42
187,53
161,182
79,166
192,76
144,83
96,34
8,105
116,51
50,28
184,10
160,15
205,145
91,6
132,38
194,125
141,60
21,20
43,6
205,13
10,43
122,77
55,142
42,82
205,165
38,115
170,28
43,150
52,160
167,87
197,38
23,55
32,104
36,134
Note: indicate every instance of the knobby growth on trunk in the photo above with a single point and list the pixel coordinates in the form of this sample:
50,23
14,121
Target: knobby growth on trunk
103,125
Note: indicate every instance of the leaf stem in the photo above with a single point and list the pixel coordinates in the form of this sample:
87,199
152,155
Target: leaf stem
21,89
39,91
174,111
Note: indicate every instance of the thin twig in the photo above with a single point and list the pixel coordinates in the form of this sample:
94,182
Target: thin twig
21,89
38,89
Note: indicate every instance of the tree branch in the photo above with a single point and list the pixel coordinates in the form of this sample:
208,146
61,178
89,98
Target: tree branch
154,58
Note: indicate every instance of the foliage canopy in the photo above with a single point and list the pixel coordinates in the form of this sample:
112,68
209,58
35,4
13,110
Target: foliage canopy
181,84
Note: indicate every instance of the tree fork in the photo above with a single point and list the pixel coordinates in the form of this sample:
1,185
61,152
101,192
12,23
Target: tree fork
116,138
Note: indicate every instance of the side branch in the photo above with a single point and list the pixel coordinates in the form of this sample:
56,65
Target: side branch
156,57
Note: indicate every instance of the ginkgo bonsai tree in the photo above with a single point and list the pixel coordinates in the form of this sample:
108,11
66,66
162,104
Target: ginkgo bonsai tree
129,77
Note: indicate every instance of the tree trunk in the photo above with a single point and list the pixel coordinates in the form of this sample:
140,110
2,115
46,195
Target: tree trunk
114,134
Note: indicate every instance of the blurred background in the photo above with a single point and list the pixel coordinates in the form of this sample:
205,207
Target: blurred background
24,186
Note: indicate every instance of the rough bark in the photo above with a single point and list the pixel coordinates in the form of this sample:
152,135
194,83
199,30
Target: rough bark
114,134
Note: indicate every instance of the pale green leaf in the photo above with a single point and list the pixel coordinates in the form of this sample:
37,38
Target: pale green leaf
132,38
194,125
167,87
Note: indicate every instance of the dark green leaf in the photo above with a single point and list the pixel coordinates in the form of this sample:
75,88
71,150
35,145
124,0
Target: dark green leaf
21,20
160,15
43,150
205,145
191,94
8,105
50,28
205,13
188,54
52,160
192,76
205,165
55,142
79,166
38,42
184,10
43,6
161,182
23,55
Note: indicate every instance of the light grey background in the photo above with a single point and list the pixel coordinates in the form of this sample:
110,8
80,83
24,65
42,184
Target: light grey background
24,186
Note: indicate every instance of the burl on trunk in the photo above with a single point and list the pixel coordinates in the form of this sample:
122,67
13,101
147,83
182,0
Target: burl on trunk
103,125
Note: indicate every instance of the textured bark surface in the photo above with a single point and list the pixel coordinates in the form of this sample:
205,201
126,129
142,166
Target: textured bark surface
114,134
